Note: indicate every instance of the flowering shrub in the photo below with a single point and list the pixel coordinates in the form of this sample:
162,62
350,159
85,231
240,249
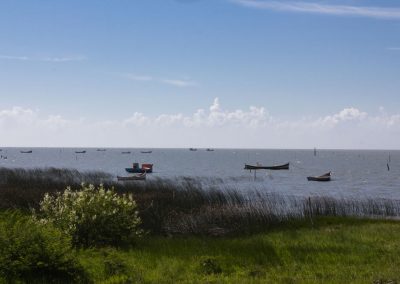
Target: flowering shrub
93,216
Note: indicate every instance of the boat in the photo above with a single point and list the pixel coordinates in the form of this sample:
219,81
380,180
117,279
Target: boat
261,167
101,150
324,177
146,152
126,152
141,176
80,152
209,150
146,168
26,152
192,149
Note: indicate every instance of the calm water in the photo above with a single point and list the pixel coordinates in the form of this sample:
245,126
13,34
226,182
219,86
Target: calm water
355,173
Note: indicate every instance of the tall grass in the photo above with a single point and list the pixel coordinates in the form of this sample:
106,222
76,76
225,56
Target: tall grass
183,206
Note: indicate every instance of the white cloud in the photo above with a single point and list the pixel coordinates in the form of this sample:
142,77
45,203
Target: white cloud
209,127
322,8
178,83
347,114
62,59
44,59
137,119
173,82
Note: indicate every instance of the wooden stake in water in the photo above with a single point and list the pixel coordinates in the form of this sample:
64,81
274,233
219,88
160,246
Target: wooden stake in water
315,152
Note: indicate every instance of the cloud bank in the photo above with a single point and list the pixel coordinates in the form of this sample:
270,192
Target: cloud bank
314,7
214,126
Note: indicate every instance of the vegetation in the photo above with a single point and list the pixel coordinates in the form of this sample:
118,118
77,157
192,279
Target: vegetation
183,207
92,216
195,235
33,251
335,250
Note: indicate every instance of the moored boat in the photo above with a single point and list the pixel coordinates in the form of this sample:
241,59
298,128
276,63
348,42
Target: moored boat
324,177
125,152
141,176
192,149
80,152
261,167
146,152
26,152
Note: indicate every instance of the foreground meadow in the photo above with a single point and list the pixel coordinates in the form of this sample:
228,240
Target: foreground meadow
335,250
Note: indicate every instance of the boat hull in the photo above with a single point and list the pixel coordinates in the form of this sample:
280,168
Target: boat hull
274,168
324,178
138,171
131,178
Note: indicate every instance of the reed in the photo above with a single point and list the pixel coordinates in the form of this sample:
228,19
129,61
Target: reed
184,206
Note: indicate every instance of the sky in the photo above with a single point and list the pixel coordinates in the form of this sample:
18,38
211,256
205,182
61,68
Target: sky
200,73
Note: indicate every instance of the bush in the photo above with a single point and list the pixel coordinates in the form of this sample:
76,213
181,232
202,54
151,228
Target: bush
93,216
34,252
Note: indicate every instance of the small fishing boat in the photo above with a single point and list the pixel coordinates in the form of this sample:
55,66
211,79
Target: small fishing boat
192,149
101,150
146,168
80,152
126,152
146,152
261,167
141,176
324,177
26,152
209,150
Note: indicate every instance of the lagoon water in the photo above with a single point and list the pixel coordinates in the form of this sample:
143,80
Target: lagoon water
356,173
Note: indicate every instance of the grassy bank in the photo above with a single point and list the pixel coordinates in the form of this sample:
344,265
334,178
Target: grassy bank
184,207
335,250
192,235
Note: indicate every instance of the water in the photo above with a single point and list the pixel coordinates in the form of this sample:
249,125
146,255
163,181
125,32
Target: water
356,174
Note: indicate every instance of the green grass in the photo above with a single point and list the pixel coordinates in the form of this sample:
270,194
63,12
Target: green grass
336,250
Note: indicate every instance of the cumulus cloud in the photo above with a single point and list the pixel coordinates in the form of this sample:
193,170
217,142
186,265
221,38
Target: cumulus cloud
214,126
347,114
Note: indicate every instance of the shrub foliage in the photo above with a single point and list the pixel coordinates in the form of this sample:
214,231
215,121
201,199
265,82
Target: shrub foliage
93,215
34,252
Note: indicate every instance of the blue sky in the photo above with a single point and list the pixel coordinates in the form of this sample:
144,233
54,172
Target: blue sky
90,65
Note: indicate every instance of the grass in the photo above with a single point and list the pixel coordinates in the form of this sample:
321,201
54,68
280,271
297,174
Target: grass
335,250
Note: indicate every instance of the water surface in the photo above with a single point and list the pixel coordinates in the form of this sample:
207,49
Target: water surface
356,173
